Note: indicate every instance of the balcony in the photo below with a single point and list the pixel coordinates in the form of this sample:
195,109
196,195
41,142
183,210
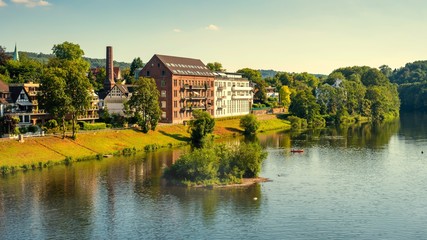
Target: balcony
237,97
197,87
234,88
194,98
198,107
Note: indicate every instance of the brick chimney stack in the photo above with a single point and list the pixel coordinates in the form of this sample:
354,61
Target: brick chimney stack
109,70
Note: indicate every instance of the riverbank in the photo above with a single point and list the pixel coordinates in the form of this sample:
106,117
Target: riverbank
51,150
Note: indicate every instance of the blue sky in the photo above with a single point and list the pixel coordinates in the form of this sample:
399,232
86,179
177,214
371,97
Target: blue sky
287,35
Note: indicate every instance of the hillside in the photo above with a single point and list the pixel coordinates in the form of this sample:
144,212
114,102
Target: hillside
272,73
94,62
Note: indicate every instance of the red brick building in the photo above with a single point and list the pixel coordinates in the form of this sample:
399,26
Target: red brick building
185,84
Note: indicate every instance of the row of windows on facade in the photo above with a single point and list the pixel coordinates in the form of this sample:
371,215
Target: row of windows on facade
232,84
233,107
182,95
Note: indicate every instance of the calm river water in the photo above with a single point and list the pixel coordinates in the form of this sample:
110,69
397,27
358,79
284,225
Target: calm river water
366,182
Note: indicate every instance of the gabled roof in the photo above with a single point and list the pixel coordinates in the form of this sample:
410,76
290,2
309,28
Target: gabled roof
15,91
124,88
185,66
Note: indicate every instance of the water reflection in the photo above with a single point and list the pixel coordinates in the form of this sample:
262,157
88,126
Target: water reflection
352,175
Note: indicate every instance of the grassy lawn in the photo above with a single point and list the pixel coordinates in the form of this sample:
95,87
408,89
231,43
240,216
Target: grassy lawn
55,149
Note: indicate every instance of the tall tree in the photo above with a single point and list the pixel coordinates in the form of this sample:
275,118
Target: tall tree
202,125
69,57
285,96
54,98
144,104
215,67
136,63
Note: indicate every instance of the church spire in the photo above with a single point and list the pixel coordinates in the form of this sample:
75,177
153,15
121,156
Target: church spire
15,54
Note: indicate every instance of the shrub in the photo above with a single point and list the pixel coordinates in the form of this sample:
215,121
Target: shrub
92,126
23,129
220,163
198,166
33,128
250,124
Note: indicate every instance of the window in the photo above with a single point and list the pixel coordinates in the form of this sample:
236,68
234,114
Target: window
229,93
163,93
175,114
175,93
164,115
148,73
22,96
158,64
163,72
175,82
163,104
163,83
175,104
229,84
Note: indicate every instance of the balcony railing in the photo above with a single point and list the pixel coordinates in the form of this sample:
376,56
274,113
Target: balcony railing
194,97
241,97
234,88
195,87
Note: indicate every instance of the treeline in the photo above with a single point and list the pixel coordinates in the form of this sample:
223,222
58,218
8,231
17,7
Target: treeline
412,81
346,95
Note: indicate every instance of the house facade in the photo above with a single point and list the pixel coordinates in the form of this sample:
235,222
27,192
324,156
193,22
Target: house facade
185,84
23,104
233,95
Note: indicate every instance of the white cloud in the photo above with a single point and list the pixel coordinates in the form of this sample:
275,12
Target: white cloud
212,27
2,3
32,3
177,30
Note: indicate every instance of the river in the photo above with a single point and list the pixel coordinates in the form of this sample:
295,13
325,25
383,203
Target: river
361,182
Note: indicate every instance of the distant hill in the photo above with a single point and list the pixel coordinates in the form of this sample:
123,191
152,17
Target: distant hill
94,62
272,73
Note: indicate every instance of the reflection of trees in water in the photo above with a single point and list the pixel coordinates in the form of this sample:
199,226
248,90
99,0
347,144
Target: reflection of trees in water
210,201
355,136
413,124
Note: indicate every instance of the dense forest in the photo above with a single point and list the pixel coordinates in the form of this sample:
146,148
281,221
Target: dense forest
412,81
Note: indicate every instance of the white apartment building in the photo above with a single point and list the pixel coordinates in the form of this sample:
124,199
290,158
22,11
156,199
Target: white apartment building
233,95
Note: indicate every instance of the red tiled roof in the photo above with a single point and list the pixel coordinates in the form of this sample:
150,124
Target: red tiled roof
4,87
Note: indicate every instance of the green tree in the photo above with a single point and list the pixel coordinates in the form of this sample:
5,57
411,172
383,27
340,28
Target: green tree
250,124
3,56
285,96
386,70
199,127
24,70
136,63
144,104
250,74
69,57
215,67
304,105
54,98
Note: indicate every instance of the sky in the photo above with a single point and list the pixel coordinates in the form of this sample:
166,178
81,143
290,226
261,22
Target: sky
315,36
